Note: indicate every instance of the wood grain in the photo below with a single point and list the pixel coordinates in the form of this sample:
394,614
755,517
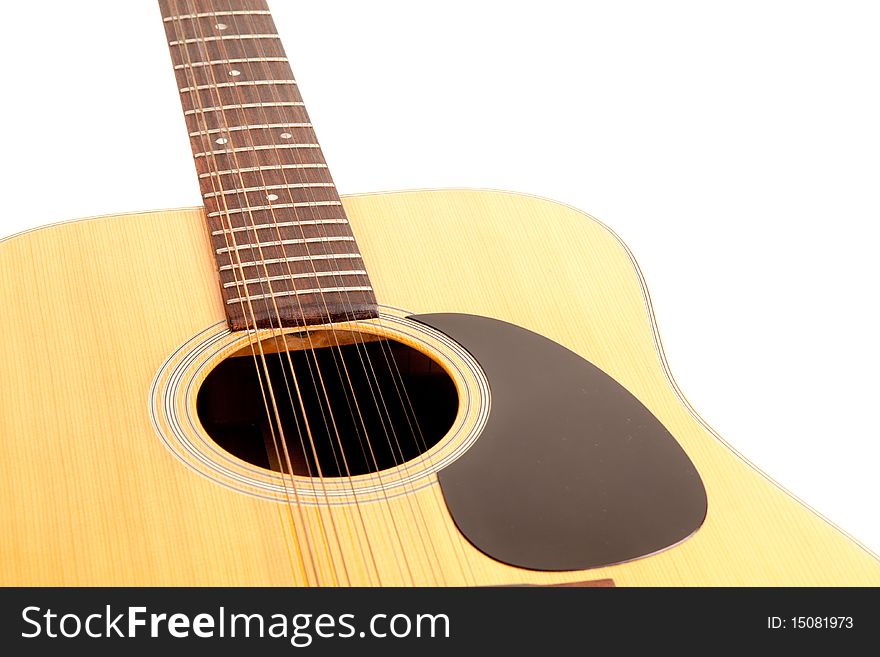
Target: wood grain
90,496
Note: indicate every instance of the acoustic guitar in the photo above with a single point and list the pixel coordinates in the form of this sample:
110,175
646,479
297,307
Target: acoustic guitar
292,387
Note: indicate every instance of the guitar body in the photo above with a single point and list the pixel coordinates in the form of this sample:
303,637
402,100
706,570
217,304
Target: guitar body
91,495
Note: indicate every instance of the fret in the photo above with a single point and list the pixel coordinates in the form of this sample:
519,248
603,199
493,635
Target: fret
246,115
271,167
222,37
279,224
284,277
235,48
314,290
249,149
237,60
277,206
242,83
272,261
261,140
245,190
257,126
223,108
215,14
238,95
234,78
263,200
259,245
247,217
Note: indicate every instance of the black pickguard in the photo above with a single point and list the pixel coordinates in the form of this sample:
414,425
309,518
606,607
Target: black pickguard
571,471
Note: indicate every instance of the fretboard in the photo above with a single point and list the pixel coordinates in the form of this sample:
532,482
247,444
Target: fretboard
285,253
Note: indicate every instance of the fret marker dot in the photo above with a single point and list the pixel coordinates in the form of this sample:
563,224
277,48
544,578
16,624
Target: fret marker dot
221,26
286,135
234,72
222,140
272,197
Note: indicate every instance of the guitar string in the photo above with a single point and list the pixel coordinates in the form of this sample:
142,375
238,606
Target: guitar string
363,356
415,431
360,415
313,365
384,345
335,345
289,464
454,539
420,444
235,261
264,371
177,27
297,386
321,474
317,510
337,358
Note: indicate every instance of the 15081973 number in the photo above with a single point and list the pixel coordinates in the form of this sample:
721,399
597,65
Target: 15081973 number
810,623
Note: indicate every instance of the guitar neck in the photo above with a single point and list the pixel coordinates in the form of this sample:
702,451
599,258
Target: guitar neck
285,252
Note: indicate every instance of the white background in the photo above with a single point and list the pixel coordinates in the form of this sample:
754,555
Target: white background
734,146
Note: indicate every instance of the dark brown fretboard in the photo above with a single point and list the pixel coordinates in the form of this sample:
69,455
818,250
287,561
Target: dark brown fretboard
285,253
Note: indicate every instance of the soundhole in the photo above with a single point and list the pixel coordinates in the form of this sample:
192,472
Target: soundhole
360,405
